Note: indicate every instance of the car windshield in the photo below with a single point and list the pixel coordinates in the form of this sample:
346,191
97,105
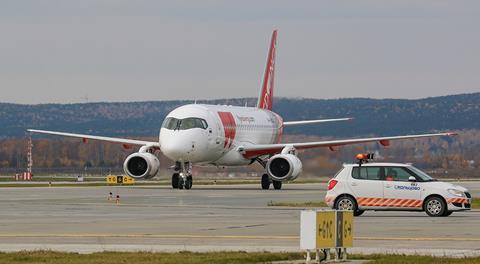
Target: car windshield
421,174
173,123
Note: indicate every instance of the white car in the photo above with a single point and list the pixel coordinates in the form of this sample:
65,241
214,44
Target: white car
393,186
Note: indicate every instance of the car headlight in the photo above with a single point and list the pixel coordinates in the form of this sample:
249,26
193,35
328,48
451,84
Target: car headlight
456,192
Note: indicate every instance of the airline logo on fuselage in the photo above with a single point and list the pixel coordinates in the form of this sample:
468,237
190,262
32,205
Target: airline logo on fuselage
246,119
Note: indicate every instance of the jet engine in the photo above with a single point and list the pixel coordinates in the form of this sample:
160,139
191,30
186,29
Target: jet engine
141,165
284,167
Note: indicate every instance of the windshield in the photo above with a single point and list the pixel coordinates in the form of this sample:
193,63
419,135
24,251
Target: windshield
421,174
173,123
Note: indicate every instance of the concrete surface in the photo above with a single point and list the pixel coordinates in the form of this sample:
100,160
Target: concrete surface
206,218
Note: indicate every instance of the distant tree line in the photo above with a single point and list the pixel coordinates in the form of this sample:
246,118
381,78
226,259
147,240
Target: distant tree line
445,156
143,119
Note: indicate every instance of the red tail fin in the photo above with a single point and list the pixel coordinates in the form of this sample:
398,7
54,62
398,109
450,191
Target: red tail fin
266,95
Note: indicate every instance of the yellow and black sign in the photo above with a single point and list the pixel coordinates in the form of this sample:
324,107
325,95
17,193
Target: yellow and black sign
334,229
326,229
344,229
120,179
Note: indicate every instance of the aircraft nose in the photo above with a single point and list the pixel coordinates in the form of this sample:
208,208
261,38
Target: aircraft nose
176,149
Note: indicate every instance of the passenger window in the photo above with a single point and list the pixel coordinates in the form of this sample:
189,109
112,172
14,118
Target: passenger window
359,173
375,173
397,174
367,173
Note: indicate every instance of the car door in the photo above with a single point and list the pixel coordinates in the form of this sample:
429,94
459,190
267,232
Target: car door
367,185
398,191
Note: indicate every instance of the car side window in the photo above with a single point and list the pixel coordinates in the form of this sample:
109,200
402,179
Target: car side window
359,173
375,173
368,173
397,174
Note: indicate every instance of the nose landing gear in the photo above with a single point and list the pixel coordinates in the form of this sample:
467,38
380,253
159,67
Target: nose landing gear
182,180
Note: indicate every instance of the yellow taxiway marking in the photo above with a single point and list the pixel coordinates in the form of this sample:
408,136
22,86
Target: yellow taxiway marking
235,237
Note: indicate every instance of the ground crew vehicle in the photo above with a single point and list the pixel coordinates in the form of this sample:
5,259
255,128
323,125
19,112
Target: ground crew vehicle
393,186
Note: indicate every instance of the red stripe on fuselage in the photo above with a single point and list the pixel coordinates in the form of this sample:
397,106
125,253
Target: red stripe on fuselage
229,128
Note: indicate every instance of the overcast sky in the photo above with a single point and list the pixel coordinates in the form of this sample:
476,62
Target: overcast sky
116,50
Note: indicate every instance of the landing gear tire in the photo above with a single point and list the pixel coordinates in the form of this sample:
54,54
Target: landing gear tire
175,180
435,206
188,182
277,185
265,182
181,183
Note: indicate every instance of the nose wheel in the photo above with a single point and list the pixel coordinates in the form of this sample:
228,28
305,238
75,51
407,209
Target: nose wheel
182,182
184,179
175,180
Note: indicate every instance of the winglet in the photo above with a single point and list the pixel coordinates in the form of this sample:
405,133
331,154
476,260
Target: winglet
266,93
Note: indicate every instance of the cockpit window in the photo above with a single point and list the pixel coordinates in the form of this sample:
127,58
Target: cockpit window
172,123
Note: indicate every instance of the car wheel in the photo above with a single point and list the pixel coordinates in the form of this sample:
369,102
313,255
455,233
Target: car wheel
435,206
447,213
358,212
346,203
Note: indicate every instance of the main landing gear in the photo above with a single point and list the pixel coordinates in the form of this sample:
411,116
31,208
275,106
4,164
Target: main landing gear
183,179
265,182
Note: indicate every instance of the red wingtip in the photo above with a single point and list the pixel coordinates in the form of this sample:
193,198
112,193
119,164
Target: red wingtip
451,134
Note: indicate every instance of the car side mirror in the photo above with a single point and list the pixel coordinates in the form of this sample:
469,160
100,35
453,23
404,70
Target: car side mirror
412,179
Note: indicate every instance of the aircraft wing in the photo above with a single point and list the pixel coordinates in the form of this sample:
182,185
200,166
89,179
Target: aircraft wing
304,122
265,149
124,141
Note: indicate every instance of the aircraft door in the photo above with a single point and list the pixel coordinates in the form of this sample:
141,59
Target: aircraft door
214,134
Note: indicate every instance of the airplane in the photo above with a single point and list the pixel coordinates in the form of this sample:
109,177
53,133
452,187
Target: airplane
223,135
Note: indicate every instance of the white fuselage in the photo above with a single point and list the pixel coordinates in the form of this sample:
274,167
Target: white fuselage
211,134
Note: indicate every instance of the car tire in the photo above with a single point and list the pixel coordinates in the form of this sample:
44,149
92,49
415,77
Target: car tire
346,203
358,212
447,213
435,206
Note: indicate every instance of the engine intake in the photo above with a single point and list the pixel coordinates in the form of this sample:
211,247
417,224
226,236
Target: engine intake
284,167
141,165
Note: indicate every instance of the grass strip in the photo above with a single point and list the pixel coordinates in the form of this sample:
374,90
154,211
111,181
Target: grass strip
51,257
298,204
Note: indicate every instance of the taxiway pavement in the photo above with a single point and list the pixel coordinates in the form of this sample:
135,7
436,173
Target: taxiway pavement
206,218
